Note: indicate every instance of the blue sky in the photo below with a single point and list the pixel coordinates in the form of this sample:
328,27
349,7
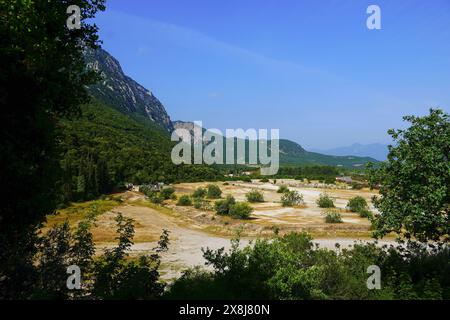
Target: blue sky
310,68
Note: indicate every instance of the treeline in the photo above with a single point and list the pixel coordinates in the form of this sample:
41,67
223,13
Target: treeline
104,149
322,173
290,267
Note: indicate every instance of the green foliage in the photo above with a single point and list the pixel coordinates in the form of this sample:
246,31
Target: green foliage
223,207
43,78
214,191
109,276
365,213
415,180
255,196
128,151
199,193
292,198
167,193
333,217
202,204
264,180
325,201
282,189
184,200
356,204
289,267
240,210
245,179
357,186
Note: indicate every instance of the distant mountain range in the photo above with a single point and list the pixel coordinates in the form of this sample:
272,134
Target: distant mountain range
291,153
123,94
374,150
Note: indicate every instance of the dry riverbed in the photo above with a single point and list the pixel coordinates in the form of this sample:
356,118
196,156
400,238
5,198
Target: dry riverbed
192,229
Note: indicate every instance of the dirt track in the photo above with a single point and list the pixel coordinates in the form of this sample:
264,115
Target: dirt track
185,243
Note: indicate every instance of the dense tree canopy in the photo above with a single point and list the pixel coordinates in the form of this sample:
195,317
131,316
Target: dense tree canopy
415,180
42,78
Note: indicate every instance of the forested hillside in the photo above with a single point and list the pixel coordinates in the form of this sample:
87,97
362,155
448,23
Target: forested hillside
103,149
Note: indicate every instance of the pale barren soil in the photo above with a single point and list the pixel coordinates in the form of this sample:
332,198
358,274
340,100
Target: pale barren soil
192,229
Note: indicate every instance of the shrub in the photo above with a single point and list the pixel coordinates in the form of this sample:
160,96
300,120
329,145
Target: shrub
291,198
222,207
282,189
184,200
226,184
214,191
245,179
357,186
357,204
199,193
365,213
333,217
325,201
240,210
329,180
264,180
255,196
166,193
201,204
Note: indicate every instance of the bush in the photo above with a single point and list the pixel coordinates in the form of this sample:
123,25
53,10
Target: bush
325,201
245,179
289,267
202,204
255,196
282,189
199,193
240,210
291,198
167,193
365,213
184,200
333,217
264,180
222,207
357,186
214,191
357,204
329,180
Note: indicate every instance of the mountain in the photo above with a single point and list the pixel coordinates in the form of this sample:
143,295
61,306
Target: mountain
375,150
123,93
291,153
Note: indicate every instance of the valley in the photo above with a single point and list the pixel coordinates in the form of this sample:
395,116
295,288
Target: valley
193,229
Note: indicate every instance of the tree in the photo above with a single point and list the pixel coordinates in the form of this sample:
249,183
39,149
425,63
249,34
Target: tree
415,180
43,79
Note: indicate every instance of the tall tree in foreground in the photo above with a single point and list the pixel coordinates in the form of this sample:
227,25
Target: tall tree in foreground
42,79
415,180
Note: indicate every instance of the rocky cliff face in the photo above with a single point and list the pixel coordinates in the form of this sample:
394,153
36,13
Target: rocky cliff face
123,93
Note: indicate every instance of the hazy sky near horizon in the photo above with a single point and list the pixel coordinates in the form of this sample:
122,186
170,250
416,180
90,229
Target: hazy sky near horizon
310,68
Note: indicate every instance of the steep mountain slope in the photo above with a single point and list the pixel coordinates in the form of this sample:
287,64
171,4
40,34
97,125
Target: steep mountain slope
123,93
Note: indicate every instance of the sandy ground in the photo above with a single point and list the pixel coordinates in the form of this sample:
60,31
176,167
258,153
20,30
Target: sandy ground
185,244
192,229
